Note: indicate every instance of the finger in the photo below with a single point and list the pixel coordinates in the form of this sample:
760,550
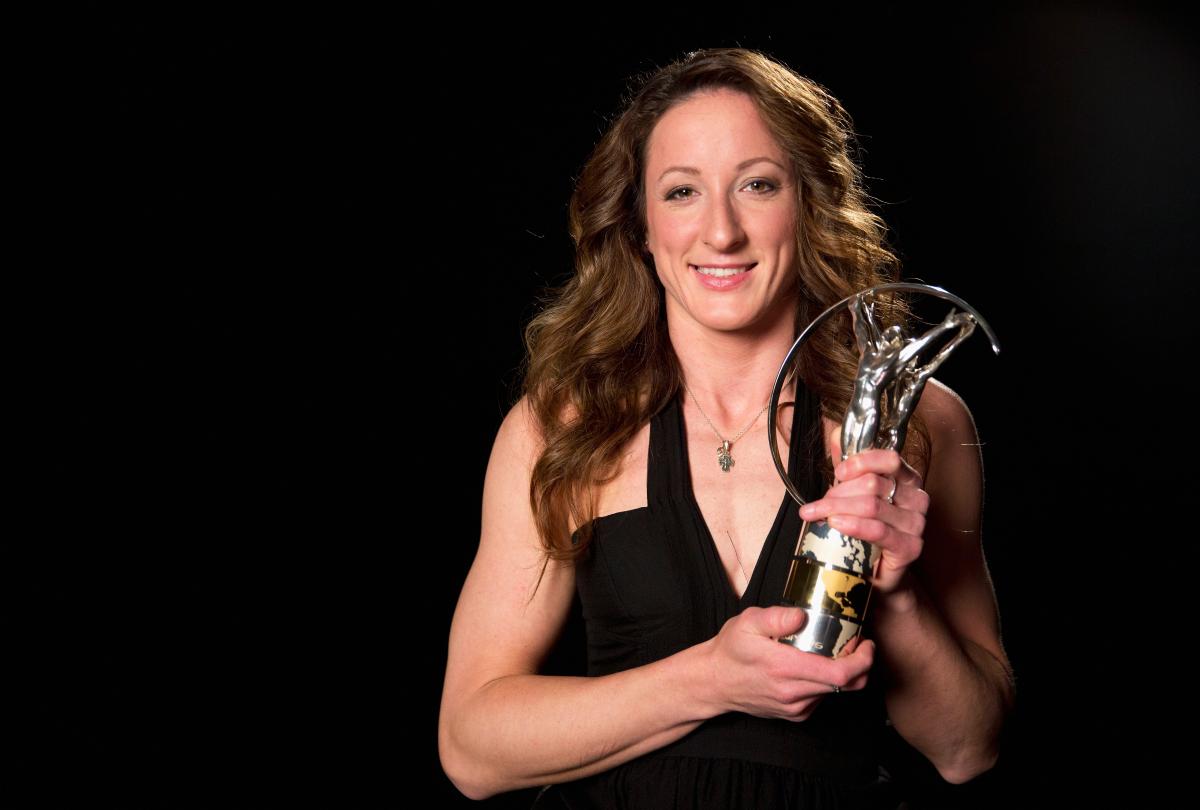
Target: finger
803,707
908,498
871,507
851,668
860,660
806,695
886,488
869,484
777,620
809,669
898,550
882,462
866,508
858,683
902,545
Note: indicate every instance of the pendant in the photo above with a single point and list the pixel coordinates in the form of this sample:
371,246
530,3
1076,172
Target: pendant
723,457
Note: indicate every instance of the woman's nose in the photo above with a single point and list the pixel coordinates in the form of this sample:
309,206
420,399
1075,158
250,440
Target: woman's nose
722,230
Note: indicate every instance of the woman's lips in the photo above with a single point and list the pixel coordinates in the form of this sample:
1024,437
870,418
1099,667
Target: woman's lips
719,283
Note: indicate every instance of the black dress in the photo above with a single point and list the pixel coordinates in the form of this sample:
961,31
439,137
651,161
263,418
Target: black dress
651,584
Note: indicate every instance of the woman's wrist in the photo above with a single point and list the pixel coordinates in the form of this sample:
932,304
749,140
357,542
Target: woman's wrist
696,669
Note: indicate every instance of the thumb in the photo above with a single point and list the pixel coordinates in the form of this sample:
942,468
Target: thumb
783,621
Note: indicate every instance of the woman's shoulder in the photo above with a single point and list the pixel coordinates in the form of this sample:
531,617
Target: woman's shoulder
520,440
953,439
519,428
945,413
619,487
524,425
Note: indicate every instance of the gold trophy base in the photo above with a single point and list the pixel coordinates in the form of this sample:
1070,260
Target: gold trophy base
835,597
823,634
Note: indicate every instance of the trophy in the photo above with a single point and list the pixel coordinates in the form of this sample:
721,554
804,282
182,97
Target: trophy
830,574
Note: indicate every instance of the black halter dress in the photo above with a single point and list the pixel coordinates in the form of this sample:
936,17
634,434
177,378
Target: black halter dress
652,584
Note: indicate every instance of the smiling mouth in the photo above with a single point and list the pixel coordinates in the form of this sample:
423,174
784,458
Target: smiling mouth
721,272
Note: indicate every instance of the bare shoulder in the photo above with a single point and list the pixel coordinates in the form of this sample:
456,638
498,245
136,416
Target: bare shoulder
946,414
954,478
520,440
519,437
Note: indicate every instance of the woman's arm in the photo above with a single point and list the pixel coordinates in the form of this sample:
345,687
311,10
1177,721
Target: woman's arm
503,727
523,730
949,683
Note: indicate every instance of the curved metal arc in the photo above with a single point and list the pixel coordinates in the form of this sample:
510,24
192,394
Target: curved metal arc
780,378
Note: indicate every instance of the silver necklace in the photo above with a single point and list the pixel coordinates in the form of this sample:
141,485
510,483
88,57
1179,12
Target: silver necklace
724,458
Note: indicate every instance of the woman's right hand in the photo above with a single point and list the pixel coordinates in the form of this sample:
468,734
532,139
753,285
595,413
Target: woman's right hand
752,672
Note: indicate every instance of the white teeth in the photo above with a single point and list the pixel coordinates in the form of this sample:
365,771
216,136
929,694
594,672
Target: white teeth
720,272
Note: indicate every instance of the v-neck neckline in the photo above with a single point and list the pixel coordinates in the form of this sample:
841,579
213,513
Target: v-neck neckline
689,491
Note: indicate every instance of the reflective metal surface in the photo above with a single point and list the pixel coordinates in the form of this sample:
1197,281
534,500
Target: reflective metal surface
830,575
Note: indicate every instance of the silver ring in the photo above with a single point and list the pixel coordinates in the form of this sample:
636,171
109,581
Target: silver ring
891,498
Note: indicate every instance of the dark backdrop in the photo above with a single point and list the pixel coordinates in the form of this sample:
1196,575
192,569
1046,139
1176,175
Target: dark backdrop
279,322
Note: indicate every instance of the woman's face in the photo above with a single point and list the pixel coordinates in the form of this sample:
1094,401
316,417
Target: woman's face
720,193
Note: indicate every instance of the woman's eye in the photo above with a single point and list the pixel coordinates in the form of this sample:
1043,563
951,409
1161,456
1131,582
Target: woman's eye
686,193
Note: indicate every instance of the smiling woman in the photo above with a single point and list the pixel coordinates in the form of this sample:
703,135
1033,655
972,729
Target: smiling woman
718,215
731,226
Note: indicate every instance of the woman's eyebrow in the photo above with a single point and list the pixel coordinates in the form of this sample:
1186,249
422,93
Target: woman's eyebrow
740,166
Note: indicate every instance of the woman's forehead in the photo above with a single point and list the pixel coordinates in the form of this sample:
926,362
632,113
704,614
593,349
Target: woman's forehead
713,128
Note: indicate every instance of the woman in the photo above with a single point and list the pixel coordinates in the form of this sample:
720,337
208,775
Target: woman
718,215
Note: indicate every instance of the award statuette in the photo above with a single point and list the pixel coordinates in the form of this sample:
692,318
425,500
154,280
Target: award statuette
830,576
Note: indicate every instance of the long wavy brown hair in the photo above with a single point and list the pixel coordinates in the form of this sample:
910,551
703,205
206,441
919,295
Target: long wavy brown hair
599,362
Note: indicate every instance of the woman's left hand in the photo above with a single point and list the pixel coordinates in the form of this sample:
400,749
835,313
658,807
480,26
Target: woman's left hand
858,505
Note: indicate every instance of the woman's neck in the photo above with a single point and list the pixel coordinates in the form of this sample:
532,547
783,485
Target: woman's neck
731,374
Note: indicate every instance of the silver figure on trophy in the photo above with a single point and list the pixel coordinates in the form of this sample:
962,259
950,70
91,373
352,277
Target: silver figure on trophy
830,575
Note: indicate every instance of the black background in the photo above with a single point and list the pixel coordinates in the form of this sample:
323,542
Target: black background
278,321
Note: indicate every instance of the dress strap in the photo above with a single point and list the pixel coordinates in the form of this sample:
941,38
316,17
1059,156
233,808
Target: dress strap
661,485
